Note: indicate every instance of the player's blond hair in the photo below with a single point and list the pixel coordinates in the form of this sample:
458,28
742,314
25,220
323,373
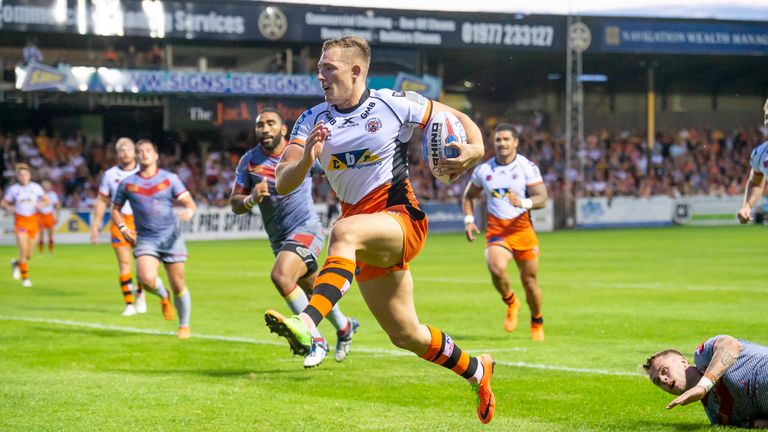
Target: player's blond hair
359,47
21,166
122,142
649,361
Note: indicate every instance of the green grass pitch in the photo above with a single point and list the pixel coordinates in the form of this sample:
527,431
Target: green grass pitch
69,361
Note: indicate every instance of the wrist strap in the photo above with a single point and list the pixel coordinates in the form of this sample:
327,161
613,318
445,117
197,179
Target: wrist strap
468,219
526,203
248,202
707,383
121,227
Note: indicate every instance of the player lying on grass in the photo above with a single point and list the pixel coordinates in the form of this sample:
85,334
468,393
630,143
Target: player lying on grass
729,376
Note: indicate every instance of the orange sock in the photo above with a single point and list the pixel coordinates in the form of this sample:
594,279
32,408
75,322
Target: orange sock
127,287
24,267
444,352
331,284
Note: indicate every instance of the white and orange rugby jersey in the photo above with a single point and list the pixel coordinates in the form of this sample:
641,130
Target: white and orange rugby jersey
24,198
111,180
53,199
499,180
367,147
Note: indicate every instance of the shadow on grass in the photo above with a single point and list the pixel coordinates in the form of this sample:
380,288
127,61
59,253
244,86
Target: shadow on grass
42,290
298,374
680,426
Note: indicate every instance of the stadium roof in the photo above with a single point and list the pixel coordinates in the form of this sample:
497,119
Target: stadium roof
752,10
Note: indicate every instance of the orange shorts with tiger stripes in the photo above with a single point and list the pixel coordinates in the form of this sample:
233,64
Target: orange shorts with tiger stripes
117,237
411,219
516,235
27,224
46,220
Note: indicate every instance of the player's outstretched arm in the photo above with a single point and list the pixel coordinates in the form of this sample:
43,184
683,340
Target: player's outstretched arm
471,192
726,351
471,152
297,160
755,188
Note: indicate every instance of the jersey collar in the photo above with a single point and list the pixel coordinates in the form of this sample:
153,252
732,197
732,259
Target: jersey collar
366,94
512,162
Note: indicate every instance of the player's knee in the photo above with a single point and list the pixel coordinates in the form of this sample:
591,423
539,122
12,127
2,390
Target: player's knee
497,269
404,340
177,281
529,281
147,279
343,232
282,282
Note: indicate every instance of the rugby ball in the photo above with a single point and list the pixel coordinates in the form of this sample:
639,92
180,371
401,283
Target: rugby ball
442,129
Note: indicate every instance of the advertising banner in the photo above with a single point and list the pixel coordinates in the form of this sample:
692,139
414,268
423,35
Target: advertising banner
624,212
684,37
43,77
209,223
105,80
197,114
708,210
219,223
272,22
449,217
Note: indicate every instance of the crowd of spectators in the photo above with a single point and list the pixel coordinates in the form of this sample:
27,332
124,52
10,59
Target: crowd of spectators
685,162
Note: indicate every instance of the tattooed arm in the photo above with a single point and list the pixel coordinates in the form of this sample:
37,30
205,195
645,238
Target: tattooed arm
726,351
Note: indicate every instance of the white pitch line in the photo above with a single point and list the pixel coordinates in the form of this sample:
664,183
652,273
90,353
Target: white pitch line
241,339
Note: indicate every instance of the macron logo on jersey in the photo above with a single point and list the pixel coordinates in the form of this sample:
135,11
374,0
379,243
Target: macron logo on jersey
353,160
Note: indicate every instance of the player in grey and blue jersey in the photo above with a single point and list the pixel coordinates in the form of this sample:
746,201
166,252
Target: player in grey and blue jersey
758,163
292,225
152,192
729,376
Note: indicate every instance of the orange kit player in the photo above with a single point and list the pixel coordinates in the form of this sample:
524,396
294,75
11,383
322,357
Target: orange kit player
360,137
48,216
24,199
126,166
512,186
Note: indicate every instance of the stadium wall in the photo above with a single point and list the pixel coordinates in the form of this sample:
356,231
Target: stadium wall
621,212
219,223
